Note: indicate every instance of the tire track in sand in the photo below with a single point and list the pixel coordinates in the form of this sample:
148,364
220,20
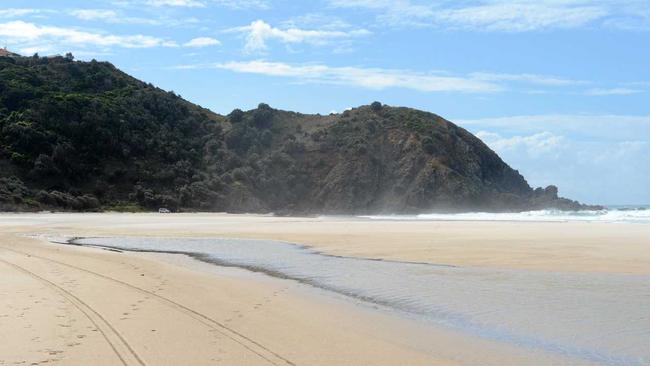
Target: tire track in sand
116,341
248,343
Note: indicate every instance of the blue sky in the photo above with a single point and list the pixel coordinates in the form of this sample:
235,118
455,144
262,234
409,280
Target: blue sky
559,88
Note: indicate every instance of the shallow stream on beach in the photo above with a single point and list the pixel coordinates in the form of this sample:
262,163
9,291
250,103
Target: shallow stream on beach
595,318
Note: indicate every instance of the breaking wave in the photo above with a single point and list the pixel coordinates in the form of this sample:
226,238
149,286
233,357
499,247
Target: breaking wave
611,215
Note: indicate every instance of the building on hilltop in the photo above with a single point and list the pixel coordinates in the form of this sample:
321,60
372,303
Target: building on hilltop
5,53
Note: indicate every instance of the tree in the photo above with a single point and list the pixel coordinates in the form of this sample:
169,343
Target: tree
263,116
236,116
69,56
376,106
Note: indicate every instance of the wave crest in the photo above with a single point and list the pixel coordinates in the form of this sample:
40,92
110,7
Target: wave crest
619,215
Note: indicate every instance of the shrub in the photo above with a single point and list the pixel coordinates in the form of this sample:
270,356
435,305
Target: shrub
236,116
44,167
88,202
12,190
239,174
376,106
293,147
428,145
266,138
198,194
263,116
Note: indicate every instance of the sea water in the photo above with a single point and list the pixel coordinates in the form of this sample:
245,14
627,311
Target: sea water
639,214
588,317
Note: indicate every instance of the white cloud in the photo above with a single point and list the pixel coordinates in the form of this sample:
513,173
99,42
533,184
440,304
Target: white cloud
508,15
527,78
31,35
613,91
635,16
93,14
35,49
233,4
317,20
380,78
371,78
202,42
520,16
393,12
597,127
243,4
593,158
110,16
535,145
258,33
14,12
370,4
180,3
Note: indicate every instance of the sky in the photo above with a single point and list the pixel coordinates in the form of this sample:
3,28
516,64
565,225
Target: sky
559,88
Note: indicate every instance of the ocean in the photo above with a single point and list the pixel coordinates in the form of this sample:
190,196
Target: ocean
639,214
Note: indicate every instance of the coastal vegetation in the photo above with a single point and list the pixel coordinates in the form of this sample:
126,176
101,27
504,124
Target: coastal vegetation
85,136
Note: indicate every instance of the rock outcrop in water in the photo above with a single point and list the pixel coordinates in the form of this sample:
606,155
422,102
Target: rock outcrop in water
85,136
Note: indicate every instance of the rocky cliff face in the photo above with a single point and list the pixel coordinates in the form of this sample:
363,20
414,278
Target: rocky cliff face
392,160
85,136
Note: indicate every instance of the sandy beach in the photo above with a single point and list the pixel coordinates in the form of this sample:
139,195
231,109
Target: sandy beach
77,305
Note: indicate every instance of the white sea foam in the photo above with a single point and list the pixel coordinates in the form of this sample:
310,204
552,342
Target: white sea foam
617,215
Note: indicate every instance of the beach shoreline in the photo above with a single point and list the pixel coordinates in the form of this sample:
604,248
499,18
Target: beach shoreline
282,322
546,246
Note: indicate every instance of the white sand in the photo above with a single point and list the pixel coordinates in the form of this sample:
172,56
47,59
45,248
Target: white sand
70,305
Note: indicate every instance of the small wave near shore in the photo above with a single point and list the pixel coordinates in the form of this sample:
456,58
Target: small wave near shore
621,214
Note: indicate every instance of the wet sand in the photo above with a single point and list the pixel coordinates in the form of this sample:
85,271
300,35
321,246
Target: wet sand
73,305
576,246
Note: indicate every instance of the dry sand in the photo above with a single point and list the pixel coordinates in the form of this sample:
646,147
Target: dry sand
83,306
